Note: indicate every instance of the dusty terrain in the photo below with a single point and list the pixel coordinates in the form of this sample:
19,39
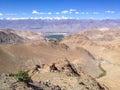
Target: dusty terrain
61,75
95,52
66,75
35,50
26,55
104,45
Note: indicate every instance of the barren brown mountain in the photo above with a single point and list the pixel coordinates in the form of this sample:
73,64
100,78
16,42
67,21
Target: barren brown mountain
37,51
104,45
26,55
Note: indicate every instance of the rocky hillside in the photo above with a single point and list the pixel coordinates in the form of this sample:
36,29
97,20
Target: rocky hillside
10,83
103,34
61,75
24,56
17,37
7,37
104,45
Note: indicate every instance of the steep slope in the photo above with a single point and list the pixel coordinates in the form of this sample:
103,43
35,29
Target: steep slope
61,75
18,37
10,38
31,36
106,49
25,56
98,43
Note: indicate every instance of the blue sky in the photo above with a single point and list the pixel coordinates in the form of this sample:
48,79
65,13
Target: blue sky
85,9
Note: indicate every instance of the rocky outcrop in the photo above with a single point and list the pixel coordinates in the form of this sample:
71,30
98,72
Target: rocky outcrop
61,75
65,76
105,49
66,67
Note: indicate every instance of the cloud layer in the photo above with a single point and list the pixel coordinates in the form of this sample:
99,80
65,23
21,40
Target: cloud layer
73,11
36,12
1,14
67,13
110,12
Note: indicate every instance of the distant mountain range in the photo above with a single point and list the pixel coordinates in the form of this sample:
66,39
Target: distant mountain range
63,25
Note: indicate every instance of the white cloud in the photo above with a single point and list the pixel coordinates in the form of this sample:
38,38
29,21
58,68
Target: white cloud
72,10
87,13
57,13
65,12
110,12
49,13
96,13
77,12
68,11
1,14
63,17
36,18
82,12
16,18
36,12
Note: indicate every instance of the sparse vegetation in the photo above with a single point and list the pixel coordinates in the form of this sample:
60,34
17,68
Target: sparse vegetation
22,76
103,72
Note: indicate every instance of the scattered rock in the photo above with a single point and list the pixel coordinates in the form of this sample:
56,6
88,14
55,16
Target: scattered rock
63,75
